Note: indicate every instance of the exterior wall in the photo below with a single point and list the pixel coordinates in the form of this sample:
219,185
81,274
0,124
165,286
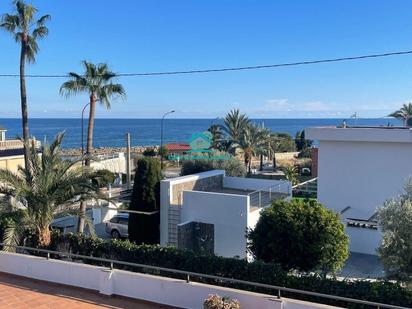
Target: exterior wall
12,163
314,169
115,165
171,197
361,168
256,184
161,290
227,212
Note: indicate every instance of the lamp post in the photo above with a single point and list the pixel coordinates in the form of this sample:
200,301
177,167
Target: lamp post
84,108
161,137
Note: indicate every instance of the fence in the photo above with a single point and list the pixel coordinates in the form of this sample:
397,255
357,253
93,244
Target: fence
264,197
49,254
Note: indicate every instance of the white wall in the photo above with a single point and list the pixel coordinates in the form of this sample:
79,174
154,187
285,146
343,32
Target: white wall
166,198
160,290
228,213
362,175
256,184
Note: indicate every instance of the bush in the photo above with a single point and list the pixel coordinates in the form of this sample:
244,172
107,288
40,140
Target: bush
145,197
395,219
305,153
149,152
267,273
217,302
300,234
283,142
233,167
103,177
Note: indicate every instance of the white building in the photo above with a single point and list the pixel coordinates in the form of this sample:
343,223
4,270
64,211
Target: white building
212,212
358,169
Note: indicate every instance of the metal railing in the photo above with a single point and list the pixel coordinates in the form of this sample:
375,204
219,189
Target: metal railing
309,186
190,275
264,197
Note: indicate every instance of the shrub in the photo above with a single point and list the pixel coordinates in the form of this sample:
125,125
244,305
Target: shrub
300,234
145,197
283,142
305,153
217,302
395,219
233,167
103,177
267,273
149,152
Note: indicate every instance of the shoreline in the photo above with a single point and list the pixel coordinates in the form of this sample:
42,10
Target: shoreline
76,152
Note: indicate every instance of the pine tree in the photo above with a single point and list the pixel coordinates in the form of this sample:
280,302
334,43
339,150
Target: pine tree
144,228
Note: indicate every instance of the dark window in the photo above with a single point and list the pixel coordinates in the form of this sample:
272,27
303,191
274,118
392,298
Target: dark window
114,220
123,221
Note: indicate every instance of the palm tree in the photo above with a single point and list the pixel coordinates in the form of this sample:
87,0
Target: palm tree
234,125
52,186
97,83
217,136
249,142
403,114
26,30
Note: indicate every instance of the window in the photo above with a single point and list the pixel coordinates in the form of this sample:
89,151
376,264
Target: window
114,220
124,221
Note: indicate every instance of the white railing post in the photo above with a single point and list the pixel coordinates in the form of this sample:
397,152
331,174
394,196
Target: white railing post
260,198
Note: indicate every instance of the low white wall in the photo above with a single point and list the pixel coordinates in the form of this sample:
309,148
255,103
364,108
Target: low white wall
160,290
256,184
155,289
228,213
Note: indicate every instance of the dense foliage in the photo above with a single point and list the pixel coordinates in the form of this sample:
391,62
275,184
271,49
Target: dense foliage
103,177
300,234
149,152
52,187
395,220
233,167
144,228
169,257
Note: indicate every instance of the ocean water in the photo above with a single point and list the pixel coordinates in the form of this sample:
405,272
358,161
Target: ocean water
111,132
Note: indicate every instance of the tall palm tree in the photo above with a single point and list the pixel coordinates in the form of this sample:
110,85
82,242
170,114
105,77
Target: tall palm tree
26,30
97,83
249,142
52,186
234,125
403,114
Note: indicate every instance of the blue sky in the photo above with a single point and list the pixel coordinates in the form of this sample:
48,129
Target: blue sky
139,36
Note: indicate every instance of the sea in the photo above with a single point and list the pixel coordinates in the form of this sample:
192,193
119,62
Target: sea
145,132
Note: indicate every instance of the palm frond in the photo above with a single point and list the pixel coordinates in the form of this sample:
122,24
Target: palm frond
10,22
42,20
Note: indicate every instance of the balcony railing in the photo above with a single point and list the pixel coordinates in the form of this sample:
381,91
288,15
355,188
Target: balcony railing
194,277
264,197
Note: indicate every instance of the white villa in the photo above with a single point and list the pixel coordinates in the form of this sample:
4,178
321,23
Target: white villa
212,212
358,169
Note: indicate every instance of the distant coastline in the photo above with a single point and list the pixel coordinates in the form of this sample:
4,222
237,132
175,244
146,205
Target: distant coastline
110,132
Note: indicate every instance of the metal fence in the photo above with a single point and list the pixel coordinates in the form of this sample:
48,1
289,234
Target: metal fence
190,276
264,197
308,187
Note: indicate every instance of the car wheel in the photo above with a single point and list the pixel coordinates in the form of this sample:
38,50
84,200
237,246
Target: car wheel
115,234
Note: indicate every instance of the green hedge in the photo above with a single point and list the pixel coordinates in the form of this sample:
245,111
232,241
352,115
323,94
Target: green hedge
169,257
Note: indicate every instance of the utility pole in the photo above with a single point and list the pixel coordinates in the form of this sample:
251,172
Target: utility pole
128,172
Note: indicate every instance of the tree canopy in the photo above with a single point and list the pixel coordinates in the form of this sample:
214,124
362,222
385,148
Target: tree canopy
301,235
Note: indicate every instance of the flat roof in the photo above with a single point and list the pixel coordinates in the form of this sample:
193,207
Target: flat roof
384,134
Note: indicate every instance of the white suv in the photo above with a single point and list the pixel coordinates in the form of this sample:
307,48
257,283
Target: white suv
117,227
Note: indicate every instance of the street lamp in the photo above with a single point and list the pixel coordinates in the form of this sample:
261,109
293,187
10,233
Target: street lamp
84,108
161,138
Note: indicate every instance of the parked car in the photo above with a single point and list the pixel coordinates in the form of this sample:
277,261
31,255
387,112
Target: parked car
117,228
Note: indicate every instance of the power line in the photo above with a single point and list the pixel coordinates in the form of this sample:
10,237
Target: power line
243,68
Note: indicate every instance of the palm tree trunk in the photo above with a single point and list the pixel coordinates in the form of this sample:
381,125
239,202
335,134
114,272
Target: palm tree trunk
44,236
90,128
23,100
261,162
274,162
89,147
